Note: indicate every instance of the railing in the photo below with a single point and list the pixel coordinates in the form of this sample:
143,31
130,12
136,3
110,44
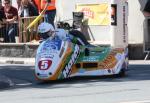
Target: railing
22,34
2,33
11,30
31,34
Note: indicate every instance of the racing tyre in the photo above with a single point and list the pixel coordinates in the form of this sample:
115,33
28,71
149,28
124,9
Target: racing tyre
122,73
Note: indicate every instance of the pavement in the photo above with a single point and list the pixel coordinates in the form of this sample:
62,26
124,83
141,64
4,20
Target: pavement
14,60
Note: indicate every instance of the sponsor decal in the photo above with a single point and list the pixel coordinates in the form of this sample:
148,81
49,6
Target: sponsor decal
96,14
46,56
88,12
91,59
109,62
124,25
47,50
44,64
66,71
50,44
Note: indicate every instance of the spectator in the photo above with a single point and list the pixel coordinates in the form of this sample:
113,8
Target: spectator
146,10
33,3
2,22
50,12
19,7
11,19
28,9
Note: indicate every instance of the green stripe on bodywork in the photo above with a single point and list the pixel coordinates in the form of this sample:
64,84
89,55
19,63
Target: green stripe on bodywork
96,54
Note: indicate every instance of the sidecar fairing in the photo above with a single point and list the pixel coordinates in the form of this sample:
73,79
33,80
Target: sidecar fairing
57,59
101,61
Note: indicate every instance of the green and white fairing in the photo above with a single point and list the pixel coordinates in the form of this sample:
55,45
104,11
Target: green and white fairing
57,59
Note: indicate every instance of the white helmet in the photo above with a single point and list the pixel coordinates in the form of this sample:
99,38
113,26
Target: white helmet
45,27
45,30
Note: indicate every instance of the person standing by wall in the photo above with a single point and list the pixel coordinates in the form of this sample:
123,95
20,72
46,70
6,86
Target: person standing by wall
28,9
12,24
19,6
50,12
2,22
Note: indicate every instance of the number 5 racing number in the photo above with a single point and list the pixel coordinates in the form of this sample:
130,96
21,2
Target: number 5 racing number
44,64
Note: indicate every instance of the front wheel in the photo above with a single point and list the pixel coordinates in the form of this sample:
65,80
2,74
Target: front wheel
122,73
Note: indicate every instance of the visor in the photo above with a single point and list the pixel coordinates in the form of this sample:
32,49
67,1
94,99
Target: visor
46,34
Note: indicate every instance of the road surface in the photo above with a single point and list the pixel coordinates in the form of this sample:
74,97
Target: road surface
134,88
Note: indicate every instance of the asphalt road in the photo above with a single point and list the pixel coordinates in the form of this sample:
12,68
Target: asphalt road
134,88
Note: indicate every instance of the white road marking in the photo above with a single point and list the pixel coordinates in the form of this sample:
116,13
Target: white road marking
145,101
